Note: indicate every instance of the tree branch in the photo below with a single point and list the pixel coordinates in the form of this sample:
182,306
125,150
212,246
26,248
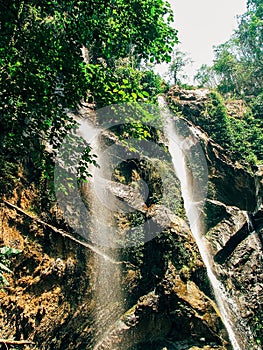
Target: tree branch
15,342
64,234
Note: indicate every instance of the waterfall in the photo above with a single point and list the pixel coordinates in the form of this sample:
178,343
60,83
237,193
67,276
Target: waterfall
180,150
107,284
103,235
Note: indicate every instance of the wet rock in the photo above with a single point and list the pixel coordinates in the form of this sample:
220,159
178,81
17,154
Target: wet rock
162,215
229,183
148,321
237,250
205,317
130,195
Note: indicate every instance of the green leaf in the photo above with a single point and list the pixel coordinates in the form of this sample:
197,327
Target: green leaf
7,251
121,92
145,93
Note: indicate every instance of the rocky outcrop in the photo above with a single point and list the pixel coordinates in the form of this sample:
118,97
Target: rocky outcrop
51,300
190,103
229,183
232,214
236,246
236,108
190,315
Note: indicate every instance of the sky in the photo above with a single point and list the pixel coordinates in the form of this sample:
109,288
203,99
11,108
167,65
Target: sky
202,24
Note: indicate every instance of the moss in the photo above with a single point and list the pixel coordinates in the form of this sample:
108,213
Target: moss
8,176
257,327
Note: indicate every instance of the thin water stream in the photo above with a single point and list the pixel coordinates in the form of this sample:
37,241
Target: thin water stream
179,151
107,284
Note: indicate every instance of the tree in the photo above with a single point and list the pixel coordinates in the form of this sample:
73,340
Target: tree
250,36
179,61
206,77
238,64
229,68
42,73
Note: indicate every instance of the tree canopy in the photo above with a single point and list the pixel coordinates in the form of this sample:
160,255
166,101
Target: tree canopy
237,73
238,65
179,60
43,74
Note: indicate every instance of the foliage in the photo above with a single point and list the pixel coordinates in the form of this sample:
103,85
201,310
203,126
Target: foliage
257,108
75,156
187,86
240,136
42,73
247,142
215,121
121,82
140,122
228,69
257,326
238,66
205,77
125,28
250,37
240,148
8,175
237,72
179,61
6,254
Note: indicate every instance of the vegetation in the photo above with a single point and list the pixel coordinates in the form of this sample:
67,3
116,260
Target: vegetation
240,136
215,121
6,254
237,73
258,328
179,61
43,74
122,82
238,67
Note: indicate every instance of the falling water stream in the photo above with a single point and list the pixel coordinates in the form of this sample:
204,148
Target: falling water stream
179,150
107,284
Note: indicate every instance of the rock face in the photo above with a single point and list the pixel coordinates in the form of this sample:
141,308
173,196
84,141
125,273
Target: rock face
229,181
233,217
51,297
50,300
237,251
190,102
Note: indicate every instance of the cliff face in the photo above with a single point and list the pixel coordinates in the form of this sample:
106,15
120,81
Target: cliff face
51,301
233,214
